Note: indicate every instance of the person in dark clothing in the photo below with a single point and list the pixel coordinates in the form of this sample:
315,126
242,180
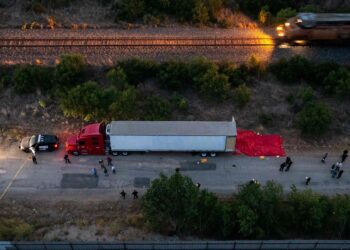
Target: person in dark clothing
340,173
308,179
66,158
123,194
34,159
94,172
135,194
198,185
289,165
177,170
324,158
105,171
109,161
344,155
113,169
282,166
288,160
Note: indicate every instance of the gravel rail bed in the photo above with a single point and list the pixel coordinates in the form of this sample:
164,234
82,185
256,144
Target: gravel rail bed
111,55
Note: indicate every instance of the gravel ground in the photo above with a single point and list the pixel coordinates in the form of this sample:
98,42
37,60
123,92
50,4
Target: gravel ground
110,55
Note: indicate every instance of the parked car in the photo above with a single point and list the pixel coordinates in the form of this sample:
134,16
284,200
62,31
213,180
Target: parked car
37,143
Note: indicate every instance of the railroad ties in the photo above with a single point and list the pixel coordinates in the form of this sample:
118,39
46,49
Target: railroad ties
130,42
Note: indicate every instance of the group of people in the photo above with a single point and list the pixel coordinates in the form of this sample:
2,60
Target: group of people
286,165
102,165
134,193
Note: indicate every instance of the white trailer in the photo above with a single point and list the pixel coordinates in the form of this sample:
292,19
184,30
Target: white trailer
172,136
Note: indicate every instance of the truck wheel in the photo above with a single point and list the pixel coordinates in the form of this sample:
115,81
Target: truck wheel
212,154
115,153
125,153
76,153
204,154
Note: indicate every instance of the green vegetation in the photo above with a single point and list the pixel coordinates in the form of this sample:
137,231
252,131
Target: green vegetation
14,229
125,92
256,211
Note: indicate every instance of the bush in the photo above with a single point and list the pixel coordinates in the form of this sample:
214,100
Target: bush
242,95
293,70
156,109
174,75
129,10
117,78
284,14
125,106
265,15
28,78
338,82
252,7
87,101
14,229
70,71
236,75
138,70
314,119
214,85
180,102
200,13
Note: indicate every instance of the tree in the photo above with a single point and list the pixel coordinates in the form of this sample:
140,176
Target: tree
117,78
170,204
265,15
70,71
28,78
214,6
314,118
308,211
338,82
340,214
156,108
283,14
214,85
129,10
200,13
125,106
242,95
138,70
174,75
87,101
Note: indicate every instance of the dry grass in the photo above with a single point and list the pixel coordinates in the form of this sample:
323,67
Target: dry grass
135,220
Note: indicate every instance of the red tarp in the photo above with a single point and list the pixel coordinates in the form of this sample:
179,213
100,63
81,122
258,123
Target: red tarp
252,144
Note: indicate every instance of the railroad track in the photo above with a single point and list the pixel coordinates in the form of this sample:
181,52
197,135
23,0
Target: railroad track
123,42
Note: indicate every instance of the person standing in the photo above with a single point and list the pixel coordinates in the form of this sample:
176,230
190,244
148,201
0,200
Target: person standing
340,174
282,166
344,155
105,171
34,159
113,169
66,158
324,158
289,165
135,194
94,172
109,161
123,194
198,185
308,179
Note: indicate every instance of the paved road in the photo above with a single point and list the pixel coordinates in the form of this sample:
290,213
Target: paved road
51,178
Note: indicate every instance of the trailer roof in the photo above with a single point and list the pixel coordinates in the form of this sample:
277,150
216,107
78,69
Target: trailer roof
324,17
173,128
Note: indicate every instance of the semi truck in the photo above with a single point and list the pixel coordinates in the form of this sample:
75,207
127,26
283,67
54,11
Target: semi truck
123,137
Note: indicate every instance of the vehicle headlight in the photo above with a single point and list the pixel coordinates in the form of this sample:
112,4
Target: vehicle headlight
279,28
287,24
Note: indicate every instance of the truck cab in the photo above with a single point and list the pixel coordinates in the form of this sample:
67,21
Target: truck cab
89,141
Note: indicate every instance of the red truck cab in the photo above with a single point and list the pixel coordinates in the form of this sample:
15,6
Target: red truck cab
89,141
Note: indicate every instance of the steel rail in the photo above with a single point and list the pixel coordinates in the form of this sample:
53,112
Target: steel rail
126,41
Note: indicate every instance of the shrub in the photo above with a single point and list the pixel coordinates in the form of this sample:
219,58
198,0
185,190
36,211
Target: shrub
253,6
14,229
214,85
265,15
283,14
28,78
236,75
338,82
180,102
125,106
254,67
290,71
200,13
174,75
151,20
117,78
129,10
156,109
314,119
87,101
138,70
70,71
308,211
242,95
